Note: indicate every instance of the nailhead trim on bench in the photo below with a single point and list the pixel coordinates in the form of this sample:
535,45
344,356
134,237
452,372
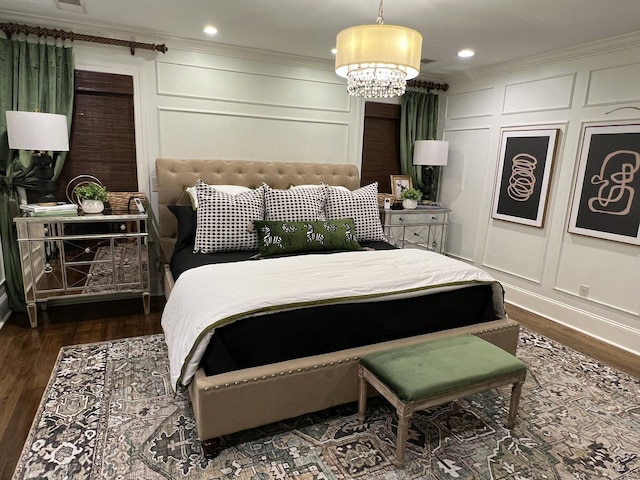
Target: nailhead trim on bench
323,365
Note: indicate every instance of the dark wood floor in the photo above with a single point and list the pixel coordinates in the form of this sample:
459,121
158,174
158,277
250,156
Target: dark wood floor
615,357
27,355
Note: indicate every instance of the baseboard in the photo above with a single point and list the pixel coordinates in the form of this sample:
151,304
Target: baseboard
595,326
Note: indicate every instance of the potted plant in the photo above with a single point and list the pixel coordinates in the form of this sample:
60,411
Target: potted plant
410,198
91,196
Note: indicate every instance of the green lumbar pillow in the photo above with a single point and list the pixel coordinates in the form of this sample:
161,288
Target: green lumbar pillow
279,236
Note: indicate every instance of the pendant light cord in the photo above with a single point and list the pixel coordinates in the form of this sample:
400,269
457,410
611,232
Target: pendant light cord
380,20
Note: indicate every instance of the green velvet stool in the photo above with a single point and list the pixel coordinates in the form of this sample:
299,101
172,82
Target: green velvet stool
423,375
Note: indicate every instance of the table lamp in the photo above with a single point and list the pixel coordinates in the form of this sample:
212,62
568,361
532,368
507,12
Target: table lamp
42,133
430,154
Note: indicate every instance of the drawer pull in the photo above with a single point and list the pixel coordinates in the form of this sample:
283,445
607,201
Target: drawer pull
89,275
87,250
123,227
48,268
45,230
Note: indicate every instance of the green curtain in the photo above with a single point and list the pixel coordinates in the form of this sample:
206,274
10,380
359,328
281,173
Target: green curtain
34,76
418,121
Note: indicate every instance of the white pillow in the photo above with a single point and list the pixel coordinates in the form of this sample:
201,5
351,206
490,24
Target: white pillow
225,221
230,189
361,205
294,205
319,185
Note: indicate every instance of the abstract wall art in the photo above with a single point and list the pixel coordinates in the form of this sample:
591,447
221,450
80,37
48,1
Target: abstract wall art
606,197
524,171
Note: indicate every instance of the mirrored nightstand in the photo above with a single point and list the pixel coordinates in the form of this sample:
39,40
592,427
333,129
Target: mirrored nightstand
419,228
74,259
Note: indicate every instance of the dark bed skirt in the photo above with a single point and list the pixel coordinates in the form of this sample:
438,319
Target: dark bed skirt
310,331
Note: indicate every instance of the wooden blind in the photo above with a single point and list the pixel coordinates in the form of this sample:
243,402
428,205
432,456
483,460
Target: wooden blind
381,144
102,133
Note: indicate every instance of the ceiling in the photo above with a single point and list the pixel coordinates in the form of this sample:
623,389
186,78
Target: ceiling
499,30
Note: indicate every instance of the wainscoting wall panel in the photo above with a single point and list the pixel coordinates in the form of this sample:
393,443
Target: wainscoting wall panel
464,183
478,103
510,248
224,135
608,279
608,86
539,95
209,83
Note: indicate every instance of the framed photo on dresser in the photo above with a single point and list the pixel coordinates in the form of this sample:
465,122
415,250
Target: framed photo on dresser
400,183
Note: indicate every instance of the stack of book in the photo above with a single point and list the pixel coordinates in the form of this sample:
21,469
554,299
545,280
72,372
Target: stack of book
36,210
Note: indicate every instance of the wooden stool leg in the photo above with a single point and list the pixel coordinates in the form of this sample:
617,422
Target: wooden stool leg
404,419
515,401
362,395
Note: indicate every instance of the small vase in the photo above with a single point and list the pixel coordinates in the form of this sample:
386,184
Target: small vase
409,203
92,206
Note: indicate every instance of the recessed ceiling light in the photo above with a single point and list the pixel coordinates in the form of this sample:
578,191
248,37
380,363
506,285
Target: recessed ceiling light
210,30
466,53
334,50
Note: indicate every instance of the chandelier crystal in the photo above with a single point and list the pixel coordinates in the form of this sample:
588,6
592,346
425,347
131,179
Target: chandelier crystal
376,82
377,60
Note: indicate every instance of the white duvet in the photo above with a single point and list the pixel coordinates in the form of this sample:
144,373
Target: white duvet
208,297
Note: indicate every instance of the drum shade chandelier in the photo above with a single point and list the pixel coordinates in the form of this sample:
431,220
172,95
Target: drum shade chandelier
377,60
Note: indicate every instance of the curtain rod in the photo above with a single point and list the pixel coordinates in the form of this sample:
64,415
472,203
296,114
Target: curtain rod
428,85
14,28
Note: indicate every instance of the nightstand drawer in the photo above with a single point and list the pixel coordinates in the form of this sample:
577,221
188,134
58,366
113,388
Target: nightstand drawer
418,219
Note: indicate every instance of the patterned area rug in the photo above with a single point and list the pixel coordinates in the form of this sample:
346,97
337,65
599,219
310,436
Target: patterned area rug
109,413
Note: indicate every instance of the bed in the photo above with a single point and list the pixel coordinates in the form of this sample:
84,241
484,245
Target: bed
271,352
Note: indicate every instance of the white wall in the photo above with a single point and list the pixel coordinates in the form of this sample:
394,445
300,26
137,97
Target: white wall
542,269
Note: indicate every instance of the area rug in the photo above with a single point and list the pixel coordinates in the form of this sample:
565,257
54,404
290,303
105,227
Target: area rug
109,413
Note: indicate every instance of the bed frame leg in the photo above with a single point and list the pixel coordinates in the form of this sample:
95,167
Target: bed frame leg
211,448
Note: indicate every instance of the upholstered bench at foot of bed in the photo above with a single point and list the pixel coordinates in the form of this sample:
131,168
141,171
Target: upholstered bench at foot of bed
252,397
420,376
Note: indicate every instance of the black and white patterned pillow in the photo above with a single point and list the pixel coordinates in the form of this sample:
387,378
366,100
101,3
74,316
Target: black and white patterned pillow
230,189
361,205
294,205
225,222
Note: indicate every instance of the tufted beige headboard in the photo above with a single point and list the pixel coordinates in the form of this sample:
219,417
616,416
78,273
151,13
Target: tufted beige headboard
175,175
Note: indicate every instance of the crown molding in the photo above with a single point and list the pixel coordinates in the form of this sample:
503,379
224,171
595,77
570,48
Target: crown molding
221,49
609,45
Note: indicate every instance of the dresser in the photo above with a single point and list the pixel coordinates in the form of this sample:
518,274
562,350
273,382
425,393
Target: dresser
74,259
418,228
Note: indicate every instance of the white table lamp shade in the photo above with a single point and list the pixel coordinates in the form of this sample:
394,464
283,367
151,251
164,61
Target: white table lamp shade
46,132
430,152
